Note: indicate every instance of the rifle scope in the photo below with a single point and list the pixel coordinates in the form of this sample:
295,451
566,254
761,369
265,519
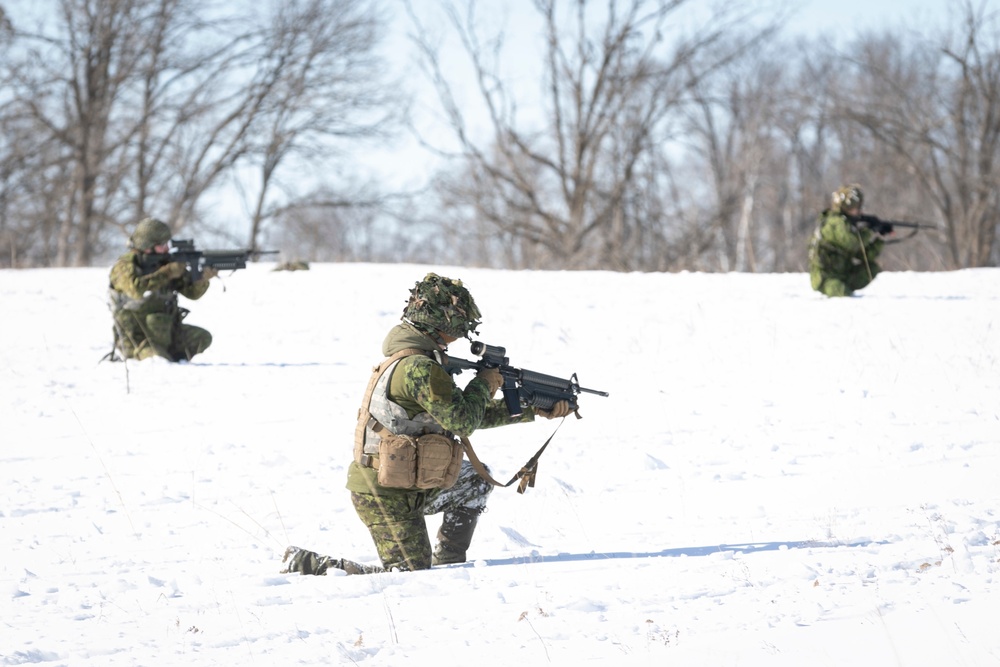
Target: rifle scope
488,351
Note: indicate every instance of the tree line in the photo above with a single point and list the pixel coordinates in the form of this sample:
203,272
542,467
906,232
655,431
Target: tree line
650,140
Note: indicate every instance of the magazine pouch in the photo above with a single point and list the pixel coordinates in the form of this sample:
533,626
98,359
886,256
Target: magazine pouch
430,461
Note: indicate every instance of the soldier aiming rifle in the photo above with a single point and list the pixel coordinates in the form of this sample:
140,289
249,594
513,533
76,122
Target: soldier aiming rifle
413,429
144,285
844,251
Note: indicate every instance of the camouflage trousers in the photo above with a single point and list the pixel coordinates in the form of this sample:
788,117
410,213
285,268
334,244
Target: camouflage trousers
398,527
844,283
397,524
159,334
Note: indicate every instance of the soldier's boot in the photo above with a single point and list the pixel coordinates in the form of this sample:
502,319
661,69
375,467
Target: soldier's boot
190,341
304,561
455,536
836,287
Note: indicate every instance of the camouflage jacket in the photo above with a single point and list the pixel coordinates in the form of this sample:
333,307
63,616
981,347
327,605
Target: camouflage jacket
841,250
145,292
420,384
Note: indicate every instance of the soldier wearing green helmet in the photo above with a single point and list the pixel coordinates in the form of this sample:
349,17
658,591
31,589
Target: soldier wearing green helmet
147,318
411,393
843,255
442,305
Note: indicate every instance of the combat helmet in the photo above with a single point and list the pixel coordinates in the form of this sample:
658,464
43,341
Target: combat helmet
148,233
847,197
442,304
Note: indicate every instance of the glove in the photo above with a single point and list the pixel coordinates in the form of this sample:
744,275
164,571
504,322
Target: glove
560,409
492,378
174,270
209,272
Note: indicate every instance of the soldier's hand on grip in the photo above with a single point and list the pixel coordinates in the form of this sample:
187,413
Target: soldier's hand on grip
492,378
209,272
560,409
175,270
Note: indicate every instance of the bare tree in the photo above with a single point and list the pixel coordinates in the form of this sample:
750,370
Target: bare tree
64,92
6,29
92,86
811,147
938,111
732,129
614,84
329,89
656,143
145,107
197,94
350,220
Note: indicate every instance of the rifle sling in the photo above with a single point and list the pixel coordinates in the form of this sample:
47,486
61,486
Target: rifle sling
899,239
527,472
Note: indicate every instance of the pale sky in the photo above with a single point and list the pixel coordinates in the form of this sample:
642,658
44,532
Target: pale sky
816,16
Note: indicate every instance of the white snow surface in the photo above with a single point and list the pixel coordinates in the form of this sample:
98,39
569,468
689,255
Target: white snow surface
776,478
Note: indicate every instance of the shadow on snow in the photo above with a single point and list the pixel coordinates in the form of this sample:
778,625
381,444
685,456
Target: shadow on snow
745,548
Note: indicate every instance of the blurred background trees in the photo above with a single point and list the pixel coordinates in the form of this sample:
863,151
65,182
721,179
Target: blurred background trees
647,135
112,110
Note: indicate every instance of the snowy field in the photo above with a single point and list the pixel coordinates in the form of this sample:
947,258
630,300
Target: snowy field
776,478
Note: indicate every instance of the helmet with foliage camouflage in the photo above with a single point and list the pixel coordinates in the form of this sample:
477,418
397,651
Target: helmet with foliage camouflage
847,197
148,233
444,305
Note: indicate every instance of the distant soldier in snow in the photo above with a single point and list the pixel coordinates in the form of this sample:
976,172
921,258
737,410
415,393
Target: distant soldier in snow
843,254
411,396
144,299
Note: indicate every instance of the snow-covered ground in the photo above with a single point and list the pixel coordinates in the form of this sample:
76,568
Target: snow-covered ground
776,478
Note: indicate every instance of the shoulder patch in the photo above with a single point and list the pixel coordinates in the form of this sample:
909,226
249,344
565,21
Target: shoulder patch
421,379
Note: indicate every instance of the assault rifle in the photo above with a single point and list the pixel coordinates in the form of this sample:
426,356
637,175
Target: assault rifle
521,386
183,250
880,226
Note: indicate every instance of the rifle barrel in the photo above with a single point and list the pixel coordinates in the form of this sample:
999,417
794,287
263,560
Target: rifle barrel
909,225
875,220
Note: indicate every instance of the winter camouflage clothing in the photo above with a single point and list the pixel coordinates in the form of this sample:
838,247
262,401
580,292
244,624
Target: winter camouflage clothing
843,257
147,319
419,384
395,517
397,525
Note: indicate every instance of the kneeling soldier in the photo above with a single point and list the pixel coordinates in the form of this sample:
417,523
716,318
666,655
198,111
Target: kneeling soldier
412,399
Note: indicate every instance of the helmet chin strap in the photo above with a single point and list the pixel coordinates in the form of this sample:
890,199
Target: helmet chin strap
430,332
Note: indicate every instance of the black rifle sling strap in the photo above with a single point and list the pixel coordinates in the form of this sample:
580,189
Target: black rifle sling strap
527,472
900,239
